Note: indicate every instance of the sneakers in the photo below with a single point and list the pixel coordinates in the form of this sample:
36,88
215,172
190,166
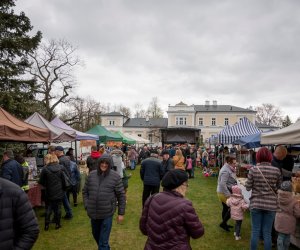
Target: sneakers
238,237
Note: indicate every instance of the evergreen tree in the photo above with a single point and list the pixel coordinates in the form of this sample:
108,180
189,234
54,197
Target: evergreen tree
286,121
16,90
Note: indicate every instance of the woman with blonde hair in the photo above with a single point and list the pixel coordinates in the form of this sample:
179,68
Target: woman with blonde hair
52,179
179,160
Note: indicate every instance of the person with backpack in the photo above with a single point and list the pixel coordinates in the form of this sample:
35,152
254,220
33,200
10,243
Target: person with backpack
75,179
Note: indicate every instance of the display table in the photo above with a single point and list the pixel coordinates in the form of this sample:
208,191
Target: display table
35,194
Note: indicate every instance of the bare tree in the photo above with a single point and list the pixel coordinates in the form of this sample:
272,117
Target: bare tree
286,121
124,111
83,114
154,111
52,66
269,114
140,112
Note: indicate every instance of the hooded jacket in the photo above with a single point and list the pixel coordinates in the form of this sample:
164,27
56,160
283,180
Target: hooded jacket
237,206
91,161
52,179
101,191
289,210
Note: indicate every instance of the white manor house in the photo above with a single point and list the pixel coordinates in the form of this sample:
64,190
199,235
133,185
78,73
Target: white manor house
185,123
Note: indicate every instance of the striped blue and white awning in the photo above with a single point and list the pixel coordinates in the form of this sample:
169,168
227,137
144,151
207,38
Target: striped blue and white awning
238,130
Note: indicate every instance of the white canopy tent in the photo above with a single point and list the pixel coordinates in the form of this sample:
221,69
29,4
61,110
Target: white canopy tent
287,135
138,139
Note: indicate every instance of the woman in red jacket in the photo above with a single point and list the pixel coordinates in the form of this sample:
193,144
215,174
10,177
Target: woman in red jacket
168,219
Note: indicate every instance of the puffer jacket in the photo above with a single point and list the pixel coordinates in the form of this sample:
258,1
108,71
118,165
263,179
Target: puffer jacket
169,220
101,191
237,206
18,225
52,179
116,155
289,210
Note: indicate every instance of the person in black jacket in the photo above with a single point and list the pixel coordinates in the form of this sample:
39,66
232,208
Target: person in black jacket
11,169
65,162
52,179
102,189
18,225
167,162
151,173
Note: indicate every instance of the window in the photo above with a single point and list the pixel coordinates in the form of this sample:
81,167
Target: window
140,135
226,122
180,120
111,123
213,121
201,121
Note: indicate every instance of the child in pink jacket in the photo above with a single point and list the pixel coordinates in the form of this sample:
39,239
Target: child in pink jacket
237,206
285,219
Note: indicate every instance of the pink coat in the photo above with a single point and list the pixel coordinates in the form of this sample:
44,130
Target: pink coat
237,206
289,210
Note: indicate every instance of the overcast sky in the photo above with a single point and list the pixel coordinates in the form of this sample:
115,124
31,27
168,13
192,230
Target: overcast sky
238,52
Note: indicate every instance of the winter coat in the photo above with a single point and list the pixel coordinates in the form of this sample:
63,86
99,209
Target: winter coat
65,162
52,179
289,210
12,171
101,191
169,220
237,206
18,225
226,179
116,155
151,171
167,165
132,154
91,161
75,174
179,162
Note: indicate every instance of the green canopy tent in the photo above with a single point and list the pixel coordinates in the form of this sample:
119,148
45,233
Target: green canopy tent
104,134
125,138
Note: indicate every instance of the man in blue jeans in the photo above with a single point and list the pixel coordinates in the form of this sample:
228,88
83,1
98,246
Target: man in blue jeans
102,189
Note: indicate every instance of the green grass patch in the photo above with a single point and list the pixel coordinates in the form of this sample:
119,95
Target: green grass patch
76,233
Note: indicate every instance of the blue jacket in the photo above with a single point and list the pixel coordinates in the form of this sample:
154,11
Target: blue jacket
151,171
12,171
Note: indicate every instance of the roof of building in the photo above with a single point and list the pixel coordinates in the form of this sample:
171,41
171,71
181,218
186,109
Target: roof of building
261,125
112,114
220,108
142,122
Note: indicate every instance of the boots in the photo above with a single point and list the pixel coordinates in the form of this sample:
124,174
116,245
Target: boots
57,226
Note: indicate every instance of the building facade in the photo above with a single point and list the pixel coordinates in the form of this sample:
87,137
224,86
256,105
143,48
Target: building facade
185,123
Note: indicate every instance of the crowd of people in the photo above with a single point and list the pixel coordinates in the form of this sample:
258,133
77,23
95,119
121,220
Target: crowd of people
168,218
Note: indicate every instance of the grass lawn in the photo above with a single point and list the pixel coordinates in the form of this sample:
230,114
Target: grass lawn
76,233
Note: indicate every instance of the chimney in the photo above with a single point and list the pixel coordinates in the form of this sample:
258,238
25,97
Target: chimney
215,103
207,103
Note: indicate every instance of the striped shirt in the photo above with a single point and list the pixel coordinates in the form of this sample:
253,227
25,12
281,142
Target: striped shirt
262,196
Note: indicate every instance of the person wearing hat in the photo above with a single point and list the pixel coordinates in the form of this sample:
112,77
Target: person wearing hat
167,162
102,190
168,219
285,219
66,164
